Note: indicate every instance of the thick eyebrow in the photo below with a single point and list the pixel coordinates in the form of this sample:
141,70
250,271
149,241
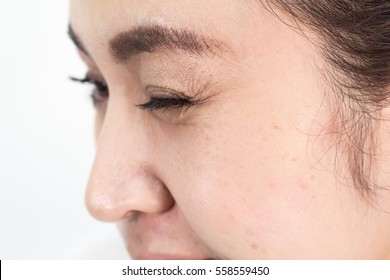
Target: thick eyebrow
153,38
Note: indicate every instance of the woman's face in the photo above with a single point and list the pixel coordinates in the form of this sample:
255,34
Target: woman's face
231,153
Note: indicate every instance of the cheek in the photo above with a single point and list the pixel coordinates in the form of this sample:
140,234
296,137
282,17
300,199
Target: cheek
255,181
237,175
244,218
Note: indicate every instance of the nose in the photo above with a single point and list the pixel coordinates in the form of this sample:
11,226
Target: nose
122,180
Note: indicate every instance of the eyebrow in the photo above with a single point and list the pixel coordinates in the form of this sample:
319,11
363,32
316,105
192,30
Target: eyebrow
153,38
76,40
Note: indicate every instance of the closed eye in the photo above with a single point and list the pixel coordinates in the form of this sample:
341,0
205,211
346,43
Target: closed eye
100,92
165,103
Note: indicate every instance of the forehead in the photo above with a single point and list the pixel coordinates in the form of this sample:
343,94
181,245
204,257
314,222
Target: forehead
97,21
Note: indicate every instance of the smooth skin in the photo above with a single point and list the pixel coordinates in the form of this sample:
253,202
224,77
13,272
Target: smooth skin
246,173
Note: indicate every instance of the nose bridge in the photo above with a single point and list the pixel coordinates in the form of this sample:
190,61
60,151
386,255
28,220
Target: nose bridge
119,135
119,143
121,180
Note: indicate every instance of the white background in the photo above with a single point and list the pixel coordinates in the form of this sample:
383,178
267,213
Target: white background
46,139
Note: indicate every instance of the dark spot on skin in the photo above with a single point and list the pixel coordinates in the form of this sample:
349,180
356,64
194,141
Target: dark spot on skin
254,246
276,127
294,159
312,177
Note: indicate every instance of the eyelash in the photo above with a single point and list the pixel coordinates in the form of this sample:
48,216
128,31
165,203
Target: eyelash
101,93
158,103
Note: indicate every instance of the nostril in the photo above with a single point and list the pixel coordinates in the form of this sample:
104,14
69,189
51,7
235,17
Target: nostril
131,215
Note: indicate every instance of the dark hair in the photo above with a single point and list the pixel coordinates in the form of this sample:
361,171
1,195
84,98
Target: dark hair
355,39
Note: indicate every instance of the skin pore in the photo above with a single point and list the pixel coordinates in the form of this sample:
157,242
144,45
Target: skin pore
214,141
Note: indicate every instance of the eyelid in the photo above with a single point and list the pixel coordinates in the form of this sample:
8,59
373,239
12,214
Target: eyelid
165,104
162,98
164,92
99,94
87,79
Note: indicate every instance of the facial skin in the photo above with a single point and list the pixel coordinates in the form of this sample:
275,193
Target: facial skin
248,171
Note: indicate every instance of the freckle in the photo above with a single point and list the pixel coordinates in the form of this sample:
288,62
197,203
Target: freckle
312,177
276,127
254,246
294,159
